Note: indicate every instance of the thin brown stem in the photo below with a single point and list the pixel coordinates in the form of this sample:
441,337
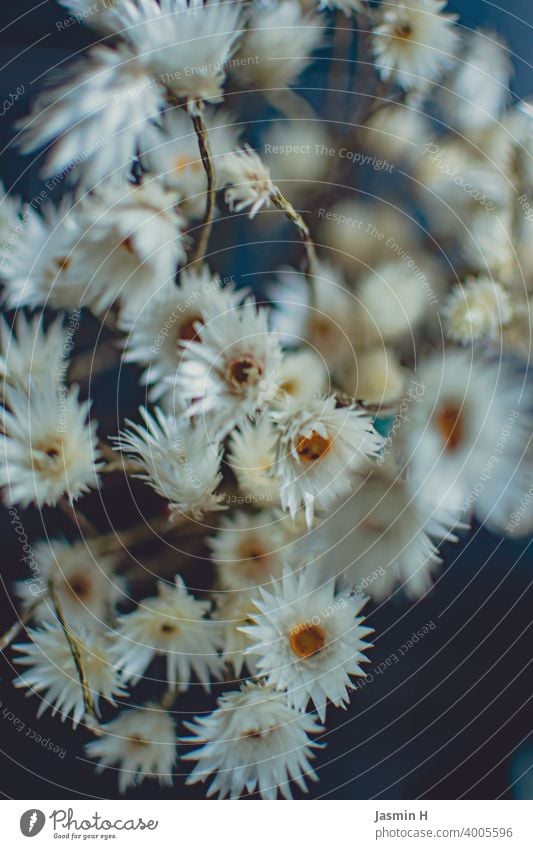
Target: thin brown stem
12,632
281,202
75,652
204,147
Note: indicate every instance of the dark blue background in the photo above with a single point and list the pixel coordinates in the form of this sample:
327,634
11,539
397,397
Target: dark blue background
442,723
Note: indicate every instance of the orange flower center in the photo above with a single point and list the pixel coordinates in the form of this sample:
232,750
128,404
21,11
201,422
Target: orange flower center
450,426
306,640
312,447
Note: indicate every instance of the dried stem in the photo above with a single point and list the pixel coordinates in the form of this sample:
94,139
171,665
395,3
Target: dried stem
24,618
281,202
76,655
207,161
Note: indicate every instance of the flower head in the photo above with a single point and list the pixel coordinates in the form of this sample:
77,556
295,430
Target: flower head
317,447
479,308
184,44
308,641
253,741
30,356
231,371
178,461
252,456
413,42
172,624
157,336
140,744
52,671
48,448
280,38
248,180
85,580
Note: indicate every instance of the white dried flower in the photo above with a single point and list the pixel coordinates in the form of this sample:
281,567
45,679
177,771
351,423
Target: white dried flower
233,611
309,641
476,95
157,335
250,186
97,115
303,375
172,624
279,41
52,673
414,42
85,580
178,461
319,444
253,741
140,744
324,317
40,266
132,244
48,447
249,549
232,370
472,425
375,377
33,354
252,455
184,44
381,535
479,308
392,301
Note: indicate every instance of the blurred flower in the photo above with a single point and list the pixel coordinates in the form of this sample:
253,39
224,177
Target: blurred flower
380,536
33,354
85,580
248,180
253,741
141,742
277,44
251,455
413,42
49,449
480,307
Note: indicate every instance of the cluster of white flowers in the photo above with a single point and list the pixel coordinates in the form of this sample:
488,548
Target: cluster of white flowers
359,419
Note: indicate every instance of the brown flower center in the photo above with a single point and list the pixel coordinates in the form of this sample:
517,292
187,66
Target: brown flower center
311,448
63,263
306,640
450,425
168,628
403,31
80,586
52,459
187,331
137,741
243,371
